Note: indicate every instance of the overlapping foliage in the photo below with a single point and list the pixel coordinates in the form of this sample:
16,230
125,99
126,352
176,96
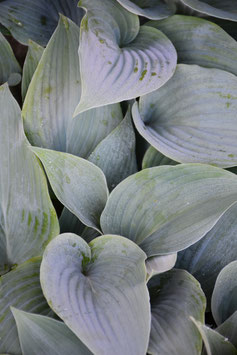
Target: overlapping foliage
104,249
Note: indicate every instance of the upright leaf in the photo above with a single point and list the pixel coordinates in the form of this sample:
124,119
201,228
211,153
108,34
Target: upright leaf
153,9
10,70
19,288
229,329
28,220
43,335
175,295
193,117
78,184
33,56
36,20
115,155
120,60
153,157
165,209
100,292
159,264
224,297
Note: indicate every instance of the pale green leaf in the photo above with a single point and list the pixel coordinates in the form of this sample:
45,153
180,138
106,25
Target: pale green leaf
10,70
78,184
28,220
165,209
199,41
153,157
99,290
36,20
158,264
215,343
205,259
224,297
115,155
175,295
119,59
216,8
43,335
19,288
32,59
229,328
153,9
193,117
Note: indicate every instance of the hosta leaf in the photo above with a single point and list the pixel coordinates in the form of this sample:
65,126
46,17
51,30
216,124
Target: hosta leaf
9,68
201,42
158,264
217,8
120,60
78,184
205,259
43,335
215,343
224,297
19,288
175,295
99,290
33,56
116,155
36,20
165,209
28,220
153,9
229,329
153,157
193,117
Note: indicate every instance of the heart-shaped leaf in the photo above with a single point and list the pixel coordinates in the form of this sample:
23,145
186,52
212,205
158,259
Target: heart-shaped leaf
100,292
153,157
43,335
175,295
193,117
120,60
224,297
165,209
19,288
116,155
153,9
216,8
78,184
229,329
199,41
36,20
10,70
28,220
33,57
205,259
215,343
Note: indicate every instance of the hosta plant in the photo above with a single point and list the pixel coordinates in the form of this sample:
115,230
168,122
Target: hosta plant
118,187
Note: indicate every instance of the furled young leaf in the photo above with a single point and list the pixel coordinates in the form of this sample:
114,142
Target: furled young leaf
9,68
158,264
199,41
43,335
205,259
36,20
119,59
215,343
153,157
165,209
229,329
224,297
33,56
100,292
19,288
193,117
153,9
175,295
216,8
28,220
78,184
116,155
